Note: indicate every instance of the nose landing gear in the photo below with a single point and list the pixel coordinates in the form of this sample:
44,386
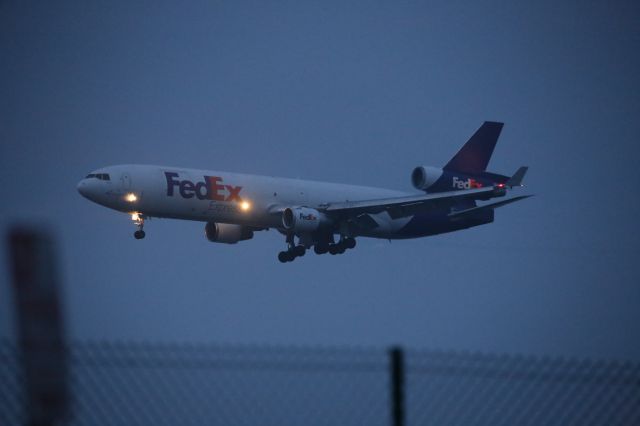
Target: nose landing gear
138,220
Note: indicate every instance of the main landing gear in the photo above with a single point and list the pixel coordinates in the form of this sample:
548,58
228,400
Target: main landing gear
340,247
293,251
138,220
299,250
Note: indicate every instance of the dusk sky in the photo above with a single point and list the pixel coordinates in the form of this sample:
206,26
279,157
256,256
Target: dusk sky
353,92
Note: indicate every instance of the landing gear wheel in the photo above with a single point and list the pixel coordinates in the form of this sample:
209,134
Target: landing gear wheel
349,242
138,220
284,257
321,248
299,251
339,247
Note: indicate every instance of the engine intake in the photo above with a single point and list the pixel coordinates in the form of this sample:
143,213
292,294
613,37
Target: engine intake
423,177
226,233
303,219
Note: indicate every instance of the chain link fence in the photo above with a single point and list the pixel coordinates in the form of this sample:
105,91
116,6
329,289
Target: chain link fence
162,384
125,383
463,388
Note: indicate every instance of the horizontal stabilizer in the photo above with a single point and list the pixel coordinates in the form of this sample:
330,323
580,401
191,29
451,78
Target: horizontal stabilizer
398,207
518,176
488,206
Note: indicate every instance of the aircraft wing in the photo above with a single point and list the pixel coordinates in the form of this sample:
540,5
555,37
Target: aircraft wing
398,207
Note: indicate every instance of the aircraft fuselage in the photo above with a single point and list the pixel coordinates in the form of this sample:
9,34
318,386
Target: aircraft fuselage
235,205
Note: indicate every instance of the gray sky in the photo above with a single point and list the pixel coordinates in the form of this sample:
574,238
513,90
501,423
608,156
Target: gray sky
356,93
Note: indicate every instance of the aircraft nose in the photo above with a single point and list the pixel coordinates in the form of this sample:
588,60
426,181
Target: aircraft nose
83,188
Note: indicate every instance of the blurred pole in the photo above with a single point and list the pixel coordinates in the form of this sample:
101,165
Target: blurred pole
396,356
39,326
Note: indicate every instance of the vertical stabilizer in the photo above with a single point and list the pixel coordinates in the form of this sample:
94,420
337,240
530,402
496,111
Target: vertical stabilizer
474,156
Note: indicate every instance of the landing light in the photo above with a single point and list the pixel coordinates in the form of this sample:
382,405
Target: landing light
245,205
135,216
131,197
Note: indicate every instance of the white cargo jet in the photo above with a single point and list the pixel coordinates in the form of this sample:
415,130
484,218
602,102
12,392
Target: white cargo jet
234,205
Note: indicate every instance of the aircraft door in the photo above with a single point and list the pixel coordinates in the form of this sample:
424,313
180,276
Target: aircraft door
125,180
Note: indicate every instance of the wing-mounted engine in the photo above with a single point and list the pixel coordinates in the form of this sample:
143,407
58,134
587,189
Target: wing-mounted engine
303,219
227,233
423,177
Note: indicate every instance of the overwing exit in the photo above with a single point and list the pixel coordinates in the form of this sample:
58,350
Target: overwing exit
327,217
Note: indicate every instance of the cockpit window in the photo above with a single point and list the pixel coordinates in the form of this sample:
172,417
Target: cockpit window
101,176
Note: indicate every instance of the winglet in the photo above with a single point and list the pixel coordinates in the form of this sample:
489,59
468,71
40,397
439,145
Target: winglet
516,179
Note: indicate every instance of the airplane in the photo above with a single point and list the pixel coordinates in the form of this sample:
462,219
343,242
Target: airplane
234,205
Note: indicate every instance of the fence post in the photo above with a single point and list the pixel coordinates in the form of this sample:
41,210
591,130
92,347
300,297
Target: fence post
396,365
40,326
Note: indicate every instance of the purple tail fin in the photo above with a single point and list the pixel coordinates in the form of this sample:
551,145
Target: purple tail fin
474,156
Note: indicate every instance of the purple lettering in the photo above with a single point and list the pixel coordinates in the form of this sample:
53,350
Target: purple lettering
186,189
171,182
199,193
211,189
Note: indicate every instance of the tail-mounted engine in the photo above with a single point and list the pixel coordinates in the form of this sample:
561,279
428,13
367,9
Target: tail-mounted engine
226,233
303,219
423,177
